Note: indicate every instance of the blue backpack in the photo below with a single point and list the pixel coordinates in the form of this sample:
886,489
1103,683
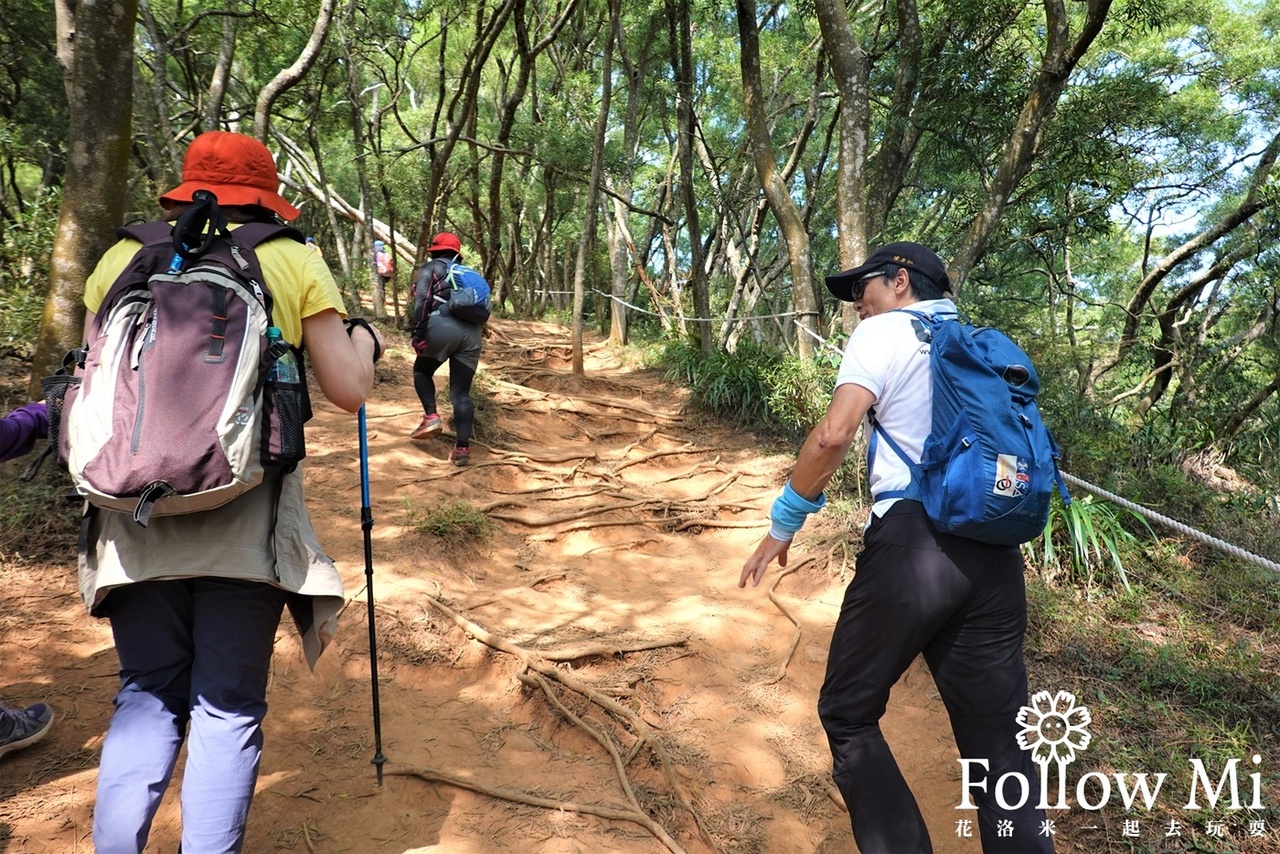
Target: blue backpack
468,299
989,465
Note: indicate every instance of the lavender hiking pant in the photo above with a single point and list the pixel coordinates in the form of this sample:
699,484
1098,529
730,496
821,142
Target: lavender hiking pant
192,652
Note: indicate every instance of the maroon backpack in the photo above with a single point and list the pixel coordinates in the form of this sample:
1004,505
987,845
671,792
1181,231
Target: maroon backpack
177,410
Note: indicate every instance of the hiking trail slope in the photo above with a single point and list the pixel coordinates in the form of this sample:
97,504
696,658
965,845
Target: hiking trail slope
588,679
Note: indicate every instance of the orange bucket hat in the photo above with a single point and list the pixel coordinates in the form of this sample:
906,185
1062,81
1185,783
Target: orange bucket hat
238,169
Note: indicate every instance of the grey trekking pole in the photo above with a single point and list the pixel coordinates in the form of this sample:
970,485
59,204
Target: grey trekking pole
366,523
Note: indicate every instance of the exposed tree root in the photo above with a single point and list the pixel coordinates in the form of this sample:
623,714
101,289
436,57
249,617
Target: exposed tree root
431,775
687,449
795,638
548,521
608,648
629,546
586,526
606,741
686,524
568,403
713,465
540,664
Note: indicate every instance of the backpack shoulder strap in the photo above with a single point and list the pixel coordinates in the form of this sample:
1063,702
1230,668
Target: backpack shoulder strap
930,318
253,234
156,252
248,236
147,233
452,274
878,433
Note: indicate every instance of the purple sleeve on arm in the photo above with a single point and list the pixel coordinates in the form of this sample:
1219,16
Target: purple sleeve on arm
20,429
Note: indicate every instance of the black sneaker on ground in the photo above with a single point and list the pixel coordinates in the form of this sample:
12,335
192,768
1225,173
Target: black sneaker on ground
21,728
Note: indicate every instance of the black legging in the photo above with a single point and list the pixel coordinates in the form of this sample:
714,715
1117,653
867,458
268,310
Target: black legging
460,377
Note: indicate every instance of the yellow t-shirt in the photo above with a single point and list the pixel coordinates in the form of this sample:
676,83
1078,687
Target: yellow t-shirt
298,279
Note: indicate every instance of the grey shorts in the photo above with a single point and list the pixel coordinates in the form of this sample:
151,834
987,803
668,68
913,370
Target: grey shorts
448,338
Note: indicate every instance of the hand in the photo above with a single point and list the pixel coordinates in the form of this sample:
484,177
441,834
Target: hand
353,323
380,345
759,561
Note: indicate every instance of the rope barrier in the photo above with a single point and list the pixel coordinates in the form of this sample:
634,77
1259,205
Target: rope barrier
824,342
1173,523
1146,513
621,301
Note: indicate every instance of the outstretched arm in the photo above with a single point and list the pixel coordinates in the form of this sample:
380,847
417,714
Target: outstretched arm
820,456
20,429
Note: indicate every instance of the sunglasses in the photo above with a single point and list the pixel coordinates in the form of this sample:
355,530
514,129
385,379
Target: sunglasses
860,286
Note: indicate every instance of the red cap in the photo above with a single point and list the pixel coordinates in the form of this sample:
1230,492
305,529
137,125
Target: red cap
445,240
238,169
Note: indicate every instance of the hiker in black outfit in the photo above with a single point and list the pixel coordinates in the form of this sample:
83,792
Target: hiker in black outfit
957,601
438,338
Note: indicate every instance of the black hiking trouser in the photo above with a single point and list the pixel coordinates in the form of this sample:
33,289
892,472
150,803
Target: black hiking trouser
460,378
963,604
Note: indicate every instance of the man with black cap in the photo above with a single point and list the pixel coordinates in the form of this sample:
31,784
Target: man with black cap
915,590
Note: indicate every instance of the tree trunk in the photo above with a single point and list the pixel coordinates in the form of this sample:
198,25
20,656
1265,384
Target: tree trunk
1059,61
633,73
682,66
362,251
95,47
775,189
222,69
289,77
455,110
593,187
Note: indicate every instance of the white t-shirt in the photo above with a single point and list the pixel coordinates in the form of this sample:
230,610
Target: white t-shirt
889,356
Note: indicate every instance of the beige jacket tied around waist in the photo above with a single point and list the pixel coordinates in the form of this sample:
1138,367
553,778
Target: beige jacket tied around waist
236,540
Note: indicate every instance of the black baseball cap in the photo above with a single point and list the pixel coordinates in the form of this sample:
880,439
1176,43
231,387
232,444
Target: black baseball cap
913,256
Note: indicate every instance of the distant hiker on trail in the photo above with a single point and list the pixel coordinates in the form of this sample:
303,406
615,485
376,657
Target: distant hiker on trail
440,335
384,263
314,247
19,430
915,590
194,599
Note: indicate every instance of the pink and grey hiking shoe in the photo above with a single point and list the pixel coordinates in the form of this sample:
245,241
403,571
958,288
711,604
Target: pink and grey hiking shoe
430,426
461,455
23,727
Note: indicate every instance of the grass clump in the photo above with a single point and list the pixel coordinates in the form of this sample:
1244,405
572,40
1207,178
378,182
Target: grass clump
733,386
1088,542
457,521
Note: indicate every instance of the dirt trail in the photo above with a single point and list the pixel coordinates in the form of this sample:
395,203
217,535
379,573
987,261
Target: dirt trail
621,526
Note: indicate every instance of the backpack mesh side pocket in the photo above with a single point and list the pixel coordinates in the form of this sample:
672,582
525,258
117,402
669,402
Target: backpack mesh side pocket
287,407
60,391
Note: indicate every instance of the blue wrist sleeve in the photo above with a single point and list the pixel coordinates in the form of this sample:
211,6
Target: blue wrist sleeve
780,535
790,510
